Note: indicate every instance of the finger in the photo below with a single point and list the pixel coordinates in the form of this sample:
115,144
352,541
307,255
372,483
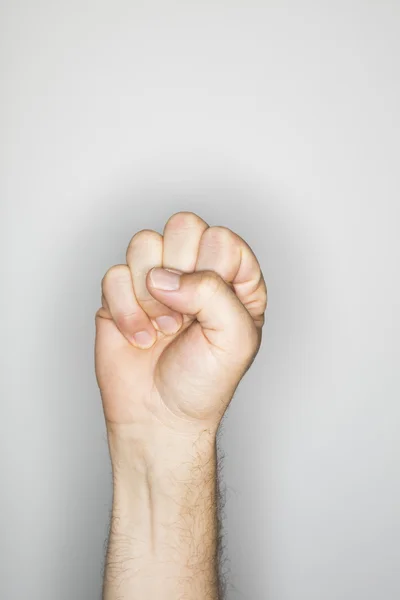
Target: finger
203,294
223,251
144,252
129,317
182,234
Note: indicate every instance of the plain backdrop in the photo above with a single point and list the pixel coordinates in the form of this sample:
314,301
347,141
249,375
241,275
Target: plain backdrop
280,120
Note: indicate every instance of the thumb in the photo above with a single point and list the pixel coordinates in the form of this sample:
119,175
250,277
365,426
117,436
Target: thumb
226,323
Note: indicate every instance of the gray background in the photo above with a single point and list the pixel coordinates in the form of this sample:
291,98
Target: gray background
281,121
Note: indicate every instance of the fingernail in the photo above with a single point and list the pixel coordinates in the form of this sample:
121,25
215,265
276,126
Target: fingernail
163,279
143,339
167,324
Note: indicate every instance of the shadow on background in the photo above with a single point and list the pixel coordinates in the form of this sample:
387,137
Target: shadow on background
79,432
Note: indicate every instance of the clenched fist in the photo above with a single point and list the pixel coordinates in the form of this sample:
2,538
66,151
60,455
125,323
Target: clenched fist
179,325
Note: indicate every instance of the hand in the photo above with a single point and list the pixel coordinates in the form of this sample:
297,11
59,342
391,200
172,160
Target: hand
172,345
179,326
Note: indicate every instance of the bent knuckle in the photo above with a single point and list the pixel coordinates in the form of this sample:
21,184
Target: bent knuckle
210,283
124,319
263,293
116,274
144,237
264,297
250,340
184,220
219,237
258,299
260,294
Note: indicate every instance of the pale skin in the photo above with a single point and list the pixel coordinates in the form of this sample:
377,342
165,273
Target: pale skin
168,362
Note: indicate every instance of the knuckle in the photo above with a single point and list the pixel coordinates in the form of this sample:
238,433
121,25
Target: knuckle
124,319
220,232
143,237
250,340
263,293
259,297
260,293
219,236
116,273
210,283
183,220
265,297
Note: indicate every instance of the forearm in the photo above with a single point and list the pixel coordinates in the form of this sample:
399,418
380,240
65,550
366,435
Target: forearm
163,534
179,326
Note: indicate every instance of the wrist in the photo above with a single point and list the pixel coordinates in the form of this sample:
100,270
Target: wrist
160,482
137,449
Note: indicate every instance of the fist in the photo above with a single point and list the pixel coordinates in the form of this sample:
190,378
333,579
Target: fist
179,325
